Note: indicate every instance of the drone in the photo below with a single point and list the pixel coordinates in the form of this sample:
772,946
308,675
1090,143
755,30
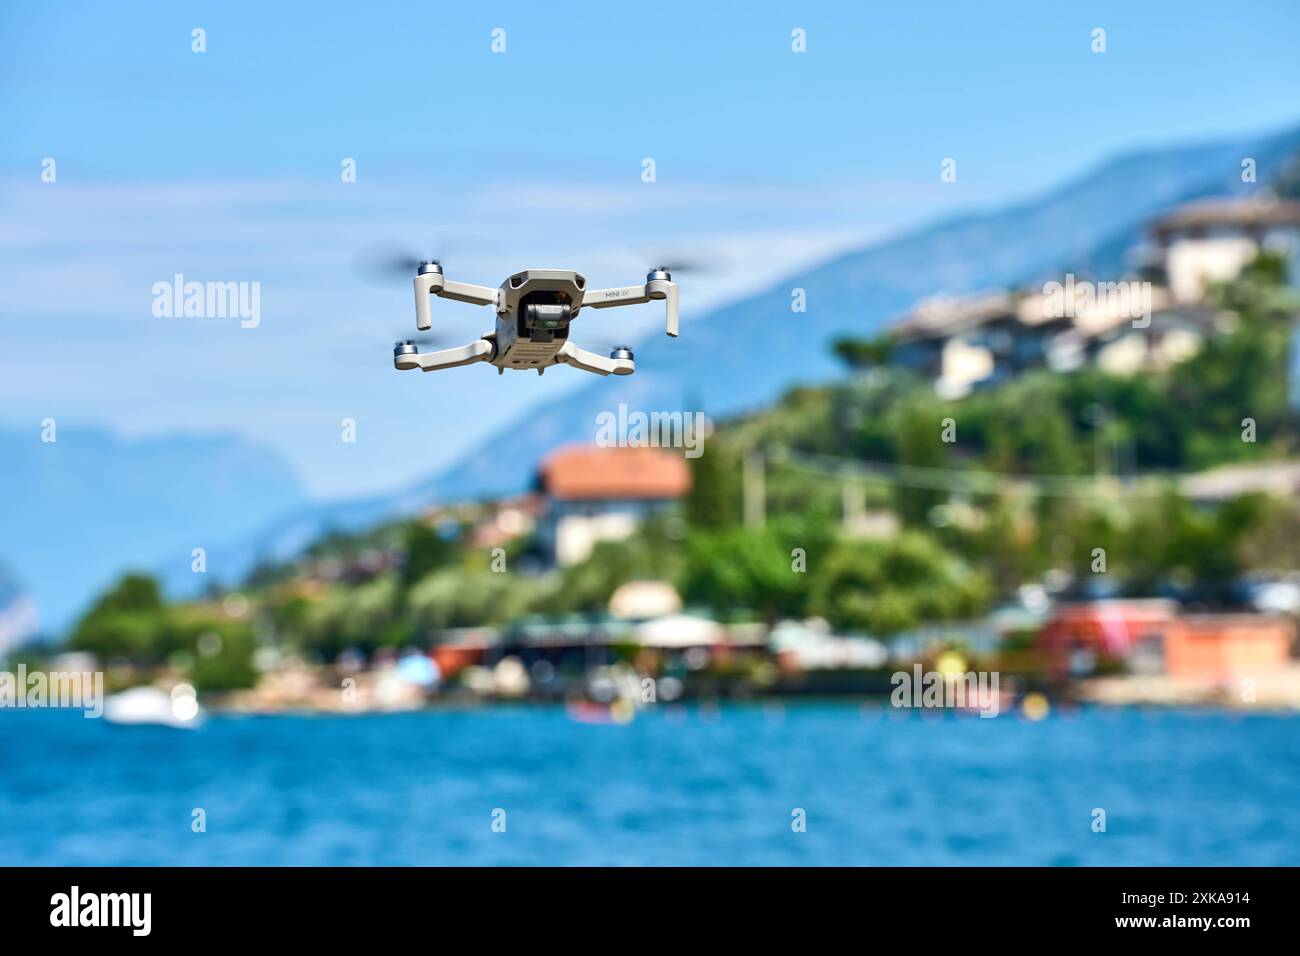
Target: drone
534,310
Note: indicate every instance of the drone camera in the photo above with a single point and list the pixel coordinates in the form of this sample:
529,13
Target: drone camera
549,317
546,321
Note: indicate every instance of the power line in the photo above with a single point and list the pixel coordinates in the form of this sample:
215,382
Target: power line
973,481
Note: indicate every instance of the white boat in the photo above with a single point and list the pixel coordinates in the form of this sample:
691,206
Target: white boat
150,706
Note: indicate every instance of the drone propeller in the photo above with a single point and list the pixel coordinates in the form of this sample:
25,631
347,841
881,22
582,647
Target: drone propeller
387,261
681,267
680,262
604,345
433,339
384,263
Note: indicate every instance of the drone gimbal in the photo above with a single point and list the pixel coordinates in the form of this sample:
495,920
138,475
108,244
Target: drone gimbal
534,309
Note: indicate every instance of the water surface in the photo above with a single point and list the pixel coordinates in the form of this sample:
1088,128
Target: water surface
677,786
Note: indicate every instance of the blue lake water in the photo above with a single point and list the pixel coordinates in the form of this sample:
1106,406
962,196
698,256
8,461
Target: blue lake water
674,787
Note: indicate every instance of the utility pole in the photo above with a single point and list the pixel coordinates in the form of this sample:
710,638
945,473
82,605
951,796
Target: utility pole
855,503
1099,416
754,491
1293,367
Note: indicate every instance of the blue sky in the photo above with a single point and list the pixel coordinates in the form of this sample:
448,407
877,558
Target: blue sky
225,166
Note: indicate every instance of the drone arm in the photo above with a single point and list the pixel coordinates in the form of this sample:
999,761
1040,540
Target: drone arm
635,295
434,283
466,292
586,361
608,298
478,351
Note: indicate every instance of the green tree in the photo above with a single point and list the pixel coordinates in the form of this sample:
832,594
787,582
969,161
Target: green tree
890,585
134,592
1170,540
230,668
587,586
456,597
365,617
425,551
766,572
1243,374
219,651
863,353
127,621
918,442
714,498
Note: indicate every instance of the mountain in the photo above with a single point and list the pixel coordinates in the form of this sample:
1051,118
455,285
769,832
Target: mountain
742,356
745,354
77,511
17,614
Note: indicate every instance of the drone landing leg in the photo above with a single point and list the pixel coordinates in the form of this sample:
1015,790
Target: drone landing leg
434,283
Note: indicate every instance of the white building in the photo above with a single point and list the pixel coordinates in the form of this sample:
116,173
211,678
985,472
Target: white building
598,494
1210,241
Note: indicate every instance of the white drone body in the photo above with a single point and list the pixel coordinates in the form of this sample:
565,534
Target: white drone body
534,309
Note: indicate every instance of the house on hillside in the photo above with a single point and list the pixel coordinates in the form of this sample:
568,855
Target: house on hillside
966,343
1123,328
1116,344
595,494
970,342
1211,240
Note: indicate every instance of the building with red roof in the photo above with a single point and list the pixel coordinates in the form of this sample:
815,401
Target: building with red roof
596,494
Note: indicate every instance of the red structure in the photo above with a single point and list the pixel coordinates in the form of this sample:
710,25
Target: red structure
1105,630
1202,648
1217,648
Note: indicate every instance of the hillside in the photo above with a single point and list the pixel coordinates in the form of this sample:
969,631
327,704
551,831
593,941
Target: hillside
909,555
746,354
